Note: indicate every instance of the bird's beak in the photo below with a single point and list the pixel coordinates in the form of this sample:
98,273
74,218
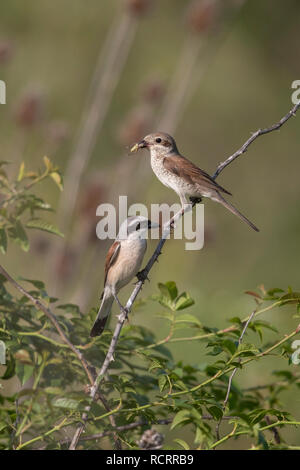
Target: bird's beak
152,224
140,145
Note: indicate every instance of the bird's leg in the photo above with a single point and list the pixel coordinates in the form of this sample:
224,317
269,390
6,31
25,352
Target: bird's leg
124,310
142,276
195,200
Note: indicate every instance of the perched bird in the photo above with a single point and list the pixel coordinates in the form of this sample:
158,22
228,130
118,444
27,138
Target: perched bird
181,175
122,263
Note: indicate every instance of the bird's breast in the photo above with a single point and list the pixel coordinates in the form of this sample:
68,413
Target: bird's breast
128,263
160,171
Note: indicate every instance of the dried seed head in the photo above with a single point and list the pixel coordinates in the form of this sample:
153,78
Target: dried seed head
202,15
151,439
6,51
154,91
138,7
29,110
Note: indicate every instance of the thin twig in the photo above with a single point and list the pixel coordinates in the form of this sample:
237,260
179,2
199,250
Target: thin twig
254,136
233,372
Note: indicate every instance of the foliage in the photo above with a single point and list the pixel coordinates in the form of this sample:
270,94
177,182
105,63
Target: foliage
145,384
19,206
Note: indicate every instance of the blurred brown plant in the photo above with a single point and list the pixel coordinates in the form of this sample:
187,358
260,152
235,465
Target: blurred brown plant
138,7
6,51
202,15
29,110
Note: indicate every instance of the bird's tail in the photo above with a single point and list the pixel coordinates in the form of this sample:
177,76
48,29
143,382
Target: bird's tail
103,312
232,209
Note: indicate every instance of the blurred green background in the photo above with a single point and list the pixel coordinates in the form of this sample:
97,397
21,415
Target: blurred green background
240,80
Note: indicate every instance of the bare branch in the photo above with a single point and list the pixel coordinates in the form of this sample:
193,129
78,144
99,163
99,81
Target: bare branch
254,136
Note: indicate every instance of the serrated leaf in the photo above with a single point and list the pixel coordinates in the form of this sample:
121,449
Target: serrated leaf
18,234
184,301
45,226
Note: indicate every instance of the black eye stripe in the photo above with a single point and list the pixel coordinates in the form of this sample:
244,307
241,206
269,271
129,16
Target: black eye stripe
138,226
158,140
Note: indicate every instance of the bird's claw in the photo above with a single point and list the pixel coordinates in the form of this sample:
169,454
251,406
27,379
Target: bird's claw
195,200
142,276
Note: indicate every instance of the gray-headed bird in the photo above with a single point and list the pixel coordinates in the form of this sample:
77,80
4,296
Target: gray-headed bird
122,264
181,175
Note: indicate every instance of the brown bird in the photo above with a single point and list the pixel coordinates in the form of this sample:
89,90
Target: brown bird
181,175
122,263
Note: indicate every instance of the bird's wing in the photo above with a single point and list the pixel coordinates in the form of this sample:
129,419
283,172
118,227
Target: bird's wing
111,257
182,167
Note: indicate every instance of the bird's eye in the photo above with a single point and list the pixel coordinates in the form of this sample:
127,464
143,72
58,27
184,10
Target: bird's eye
138,226
158,140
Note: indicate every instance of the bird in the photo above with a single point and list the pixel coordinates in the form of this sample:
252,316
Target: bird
180,174
123,261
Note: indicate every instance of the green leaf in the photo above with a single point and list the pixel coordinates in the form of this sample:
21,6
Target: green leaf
216,412
180,417
69,403
10,369
24,372
187,318
45,226
184,301
162,380
18,234
3,241
182,443
38,284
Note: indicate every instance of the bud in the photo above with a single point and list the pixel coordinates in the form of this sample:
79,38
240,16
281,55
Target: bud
202,15
138,7
151,440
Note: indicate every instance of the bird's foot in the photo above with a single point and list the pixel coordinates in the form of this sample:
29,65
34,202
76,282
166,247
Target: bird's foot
142,276
195,200
124,313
